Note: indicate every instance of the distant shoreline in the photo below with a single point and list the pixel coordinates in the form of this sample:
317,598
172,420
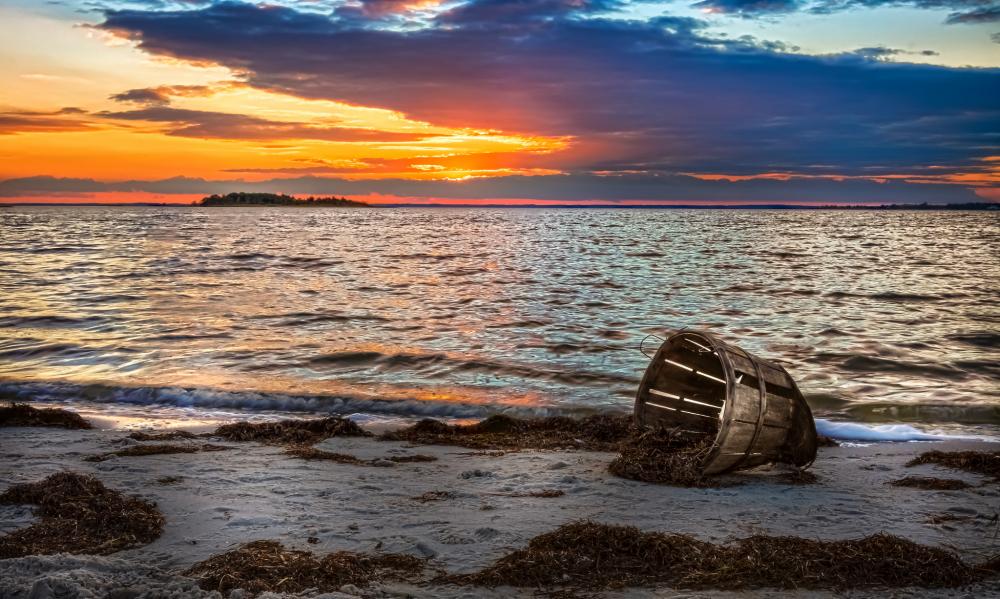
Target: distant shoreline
972,206
240,199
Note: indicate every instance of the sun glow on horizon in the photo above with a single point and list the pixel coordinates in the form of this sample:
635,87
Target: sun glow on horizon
206,122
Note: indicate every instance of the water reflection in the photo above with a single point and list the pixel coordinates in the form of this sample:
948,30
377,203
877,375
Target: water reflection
879,315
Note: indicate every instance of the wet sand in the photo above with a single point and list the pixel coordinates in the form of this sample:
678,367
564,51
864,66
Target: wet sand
219,500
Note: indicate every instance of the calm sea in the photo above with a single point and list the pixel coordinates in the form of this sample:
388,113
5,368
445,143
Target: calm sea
881,317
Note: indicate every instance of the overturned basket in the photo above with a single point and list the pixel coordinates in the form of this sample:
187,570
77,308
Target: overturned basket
697,382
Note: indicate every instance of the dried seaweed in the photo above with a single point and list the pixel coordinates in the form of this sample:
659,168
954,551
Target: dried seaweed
409,459
306,452
263,566
295,432
434,496
665,456
799,477
824,441
600,432
19,414
78,514
590,556
931,484
979,462
311,453
544,493
157,449
990,567
943,518
164,436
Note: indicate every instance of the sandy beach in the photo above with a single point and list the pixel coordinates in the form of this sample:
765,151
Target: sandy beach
215,501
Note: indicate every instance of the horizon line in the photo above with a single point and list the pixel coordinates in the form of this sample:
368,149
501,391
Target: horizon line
774,206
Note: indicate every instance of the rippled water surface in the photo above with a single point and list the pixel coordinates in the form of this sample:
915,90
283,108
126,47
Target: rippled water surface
880,316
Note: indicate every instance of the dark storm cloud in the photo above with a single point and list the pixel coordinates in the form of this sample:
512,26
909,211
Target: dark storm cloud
884,53
493,12
655,92
964,11
989,14
749,8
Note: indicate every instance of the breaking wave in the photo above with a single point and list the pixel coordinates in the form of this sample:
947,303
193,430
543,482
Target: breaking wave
249,403
252,401
851,431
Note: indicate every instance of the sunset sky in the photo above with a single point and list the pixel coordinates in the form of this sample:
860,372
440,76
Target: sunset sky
516,101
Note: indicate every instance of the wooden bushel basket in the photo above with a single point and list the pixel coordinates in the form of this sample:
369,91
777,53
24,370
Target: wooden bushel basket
697,382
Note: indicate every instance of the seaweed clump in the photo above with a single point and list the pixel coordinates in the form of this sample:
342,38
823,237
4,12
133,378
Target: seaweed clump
799,477
591,556
263,566
543,493
600,432
20,414
157,449
930,483
164,436
78,514
665,456
307,452
291,432
434,496
986,463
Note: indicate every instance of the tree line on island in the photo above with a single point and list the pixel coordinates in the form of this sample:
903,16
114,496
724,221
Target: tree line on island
274,199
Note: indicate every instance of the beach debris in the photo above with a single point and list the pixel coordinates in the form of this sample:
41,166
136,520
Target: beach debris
931,484
164,436
986,463
601,432
665,456
750,406
155,449
307,452
824,441
291,432
990,568
544,493
945,518
78,514
798,477
20,414
410,459
267,566
434,496
590,556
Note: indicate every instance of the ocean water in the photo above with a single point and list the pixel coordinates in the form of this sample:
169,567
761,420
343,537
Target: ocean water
885,318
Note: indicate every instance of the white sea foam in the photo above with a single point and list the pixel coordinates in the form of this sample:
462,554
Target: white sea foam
210,401
852,431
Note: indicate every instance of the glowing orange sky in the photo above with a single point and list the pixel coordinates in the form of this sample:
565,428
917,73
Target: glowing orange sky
89,104
82,68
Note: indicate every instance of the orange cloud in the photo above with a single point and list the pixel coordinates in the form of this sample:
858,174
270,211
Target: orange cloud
214,131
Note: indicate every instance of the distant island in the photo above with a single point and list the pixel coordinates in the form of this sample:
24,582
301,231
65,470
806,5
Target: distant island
276,199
